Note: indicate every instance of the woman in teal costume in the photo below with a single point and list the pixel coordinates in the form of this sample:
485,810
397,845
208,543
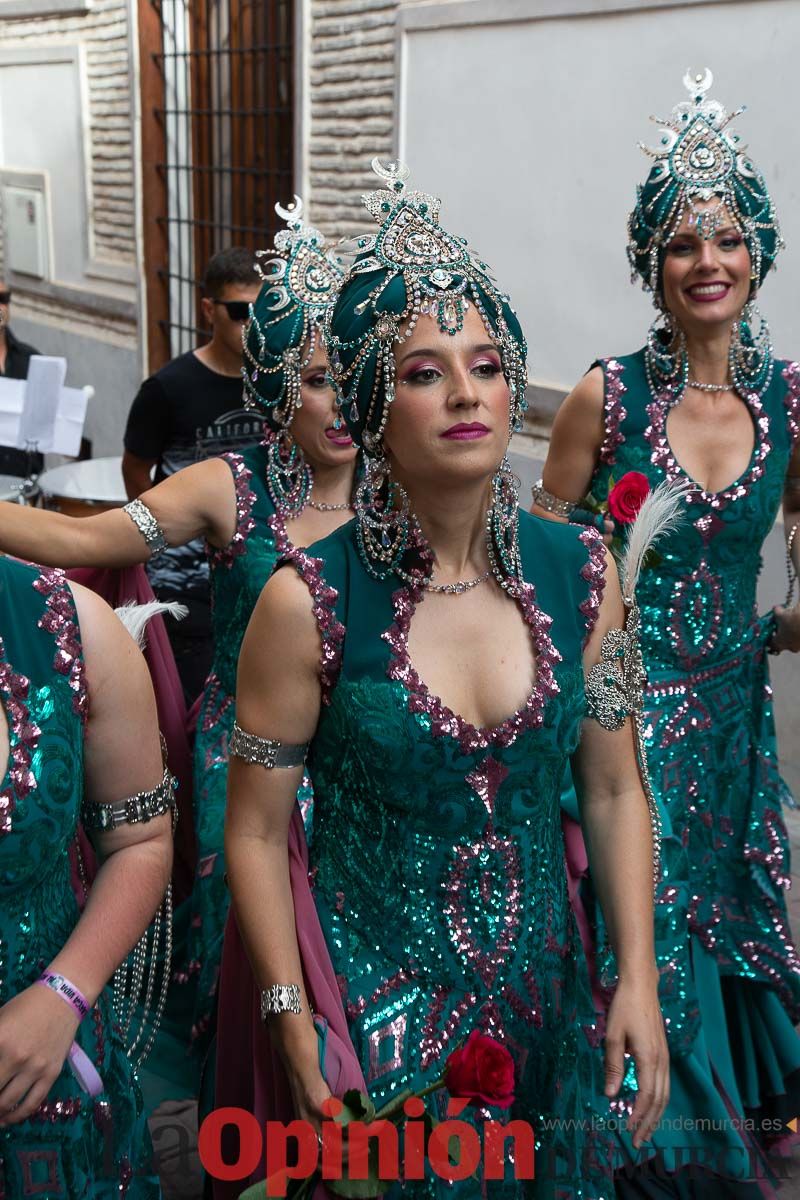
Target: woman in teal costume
437,856
706,401
79,731
298,480
296,487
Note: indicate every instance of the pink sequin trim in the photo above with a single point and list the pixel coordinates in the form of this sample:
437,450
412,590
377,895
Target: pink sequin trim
594,572
245,499
444,722
24,738
60,619
662,457
54,1111
324,605
791,373
614,413
773,859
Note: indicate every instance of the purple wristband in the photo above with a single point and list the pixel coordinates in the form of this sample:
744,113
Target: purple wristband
84,1070
66,990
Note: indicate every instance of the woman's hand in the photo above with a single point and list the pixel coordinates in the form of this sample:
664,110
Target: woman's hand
309,1093
787,632
37,1030
635,1026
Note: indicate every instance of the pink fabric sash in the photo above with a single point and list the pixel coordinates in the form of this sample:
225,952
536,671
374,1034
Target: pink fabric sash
250,1074
117,586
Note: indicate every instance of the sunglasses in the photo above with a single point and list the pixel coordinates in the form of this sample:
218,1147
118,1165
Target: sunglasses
237,310
5,297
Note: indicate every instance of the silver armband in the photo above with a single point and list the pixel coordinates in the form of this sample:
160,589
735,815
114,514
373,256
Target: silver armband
280,998
141,808
615,686
551,503
263,752
614,692
147,525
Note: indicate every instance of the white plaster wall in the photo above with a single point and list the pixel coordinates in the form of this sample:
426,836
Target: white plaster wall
49,136
528,130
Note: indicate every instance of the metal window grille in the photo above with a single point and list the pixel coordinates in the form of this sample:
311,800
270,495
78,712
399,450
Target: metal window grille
220,145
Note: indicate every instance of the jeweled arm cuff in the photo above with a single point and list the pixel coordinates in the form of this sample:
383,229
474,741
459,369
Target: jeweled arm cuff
141,808
550,503
264,752
615,691
148,526
280,998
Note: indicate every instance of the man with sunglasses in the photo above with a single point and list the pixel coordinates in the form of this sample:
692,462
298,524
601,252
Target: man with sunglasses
14,359
173,422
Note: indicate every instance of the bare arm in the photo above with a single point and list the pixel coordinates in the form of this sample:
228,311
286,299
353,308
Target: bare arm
199,501
277,697
575,442
122,756
616,825
137,474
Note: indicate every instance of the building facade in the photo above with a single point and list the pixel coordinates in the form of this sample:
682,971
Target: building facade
69,243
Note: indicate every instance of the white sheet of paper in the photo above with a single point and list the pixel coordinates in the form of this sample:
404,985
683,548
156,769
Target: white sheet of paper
70,417
44,383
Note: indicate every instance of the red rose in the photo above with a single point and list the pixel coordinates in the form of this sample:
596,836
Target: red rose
627,495
481,1071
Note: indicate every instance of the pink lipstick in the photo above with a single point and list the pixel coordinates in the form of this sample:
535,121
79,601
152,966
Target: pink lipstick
708,293
465,432
339,437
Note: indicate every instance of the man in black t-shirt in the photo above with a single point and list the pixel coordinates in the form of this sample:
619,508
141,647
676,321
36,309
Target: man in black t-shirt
15,357
174,422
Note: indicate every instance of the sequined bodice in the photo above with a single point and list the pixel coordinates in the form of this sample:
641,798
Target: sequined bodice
698,598
466,841
239,572
438,857
43,695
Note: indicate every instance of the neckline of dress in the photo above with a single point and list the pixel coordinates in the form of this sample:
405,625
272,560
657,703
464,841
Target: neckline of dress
663,456
444,720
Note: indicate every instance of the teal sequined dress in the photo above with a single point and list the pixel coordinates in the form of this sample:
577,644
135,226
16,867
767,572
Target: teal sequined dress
74,1146
238,573
711,737
438,858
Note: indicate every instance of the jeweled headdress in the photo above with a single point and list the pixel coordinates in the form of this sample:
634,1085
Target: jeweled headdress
700,158
410,267
300,281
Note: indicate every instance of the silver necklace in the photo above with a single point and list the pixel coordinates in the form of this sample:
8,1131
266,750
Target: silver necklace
321,506
709,387
445,589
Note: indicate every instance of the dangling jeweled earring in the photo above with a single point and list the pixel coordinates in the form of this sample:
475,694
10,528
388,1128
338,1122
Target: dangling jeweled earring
665,357
382,519
289,477
502,526
750,355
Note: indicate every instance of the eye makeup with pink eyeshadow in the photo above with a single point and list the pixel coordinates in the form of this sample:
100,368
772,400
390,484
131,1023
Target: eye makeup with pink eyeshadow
412,371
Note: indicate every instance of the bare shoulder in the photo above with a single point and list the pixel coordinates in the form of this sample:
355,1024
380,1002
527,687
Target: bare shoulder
113,660
612,614
283,619
585,401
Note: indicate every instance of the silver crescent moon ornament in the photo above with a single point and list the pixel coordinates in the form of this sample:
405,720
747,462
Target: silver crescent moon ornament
292,212
390,172
696,83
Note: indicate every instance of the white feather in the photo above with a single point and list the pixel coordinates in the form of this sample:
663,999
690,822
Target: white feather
135,617
661,513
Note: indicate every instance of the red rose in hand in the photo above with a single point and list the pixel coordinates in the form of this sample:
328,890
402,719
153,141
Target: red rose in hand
481,1071
627,495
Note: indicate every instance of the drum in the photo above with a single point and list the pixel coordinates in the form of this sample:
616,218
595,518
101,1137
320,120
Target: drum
82,489
12,488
